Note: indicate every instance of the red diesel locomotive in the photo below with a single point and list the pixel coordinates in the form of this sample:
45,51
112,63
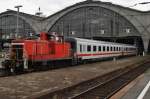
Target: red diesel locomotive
24,54
35,53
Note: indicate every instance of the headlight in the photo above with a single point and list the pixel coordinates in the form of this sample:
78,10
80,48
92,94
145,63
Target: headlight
2,55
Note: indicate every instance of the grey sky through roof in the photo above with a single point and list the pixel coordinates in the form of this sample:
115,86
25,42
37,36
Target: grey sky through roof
49,7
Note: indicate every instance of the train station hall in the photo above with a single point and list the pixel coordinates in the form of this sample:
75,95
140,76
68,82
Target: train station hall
88,19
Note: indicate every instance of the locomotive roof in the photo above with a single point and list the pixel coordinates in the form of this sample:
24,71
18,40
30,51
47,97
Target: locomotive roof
95,41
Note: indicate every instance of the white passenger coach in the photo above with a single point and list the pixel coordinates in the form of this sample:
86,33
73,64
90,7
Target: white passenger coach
93,49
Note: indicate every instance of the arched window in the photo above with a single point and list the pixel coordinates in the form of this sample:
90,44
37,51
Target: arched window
91,22
8,26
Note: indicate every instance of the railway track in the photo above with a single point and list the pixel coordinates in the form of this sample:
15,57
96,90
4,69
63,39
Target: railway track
101,87
110,87
55,65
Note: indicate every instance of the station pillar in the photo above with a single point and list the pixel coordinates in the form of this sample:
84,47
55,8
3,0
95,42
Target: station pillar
145,43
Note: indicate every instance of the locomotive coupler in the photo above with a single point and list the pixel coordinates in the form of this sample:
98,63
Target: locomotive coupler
12,66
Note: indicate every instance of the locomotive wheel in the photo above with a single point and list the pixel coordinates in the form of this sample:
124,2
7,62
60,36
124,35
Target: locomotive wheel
6,67
5,72
17,69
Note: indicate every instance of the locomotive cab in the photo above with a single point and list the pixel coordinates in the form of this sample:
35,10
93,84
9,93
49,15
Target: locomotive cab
50,37
17,51
14,61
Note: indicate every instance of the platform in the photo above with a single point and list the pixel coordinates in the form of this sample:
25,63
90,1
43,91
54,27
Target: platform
139,88
32,84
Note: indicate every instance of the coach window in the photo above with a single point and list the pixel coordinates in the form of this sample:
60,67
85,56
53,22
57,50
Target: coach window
99,48
111,49
80,48
94,48
89,48
103,48
107,48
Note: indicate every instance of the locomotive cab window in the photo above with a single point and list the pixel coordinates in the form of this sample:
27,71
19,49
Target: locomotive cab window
17,51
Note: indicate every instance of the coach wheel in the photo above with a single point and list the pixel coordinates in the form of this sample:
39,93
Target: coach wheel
74,62
80,61
84,61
